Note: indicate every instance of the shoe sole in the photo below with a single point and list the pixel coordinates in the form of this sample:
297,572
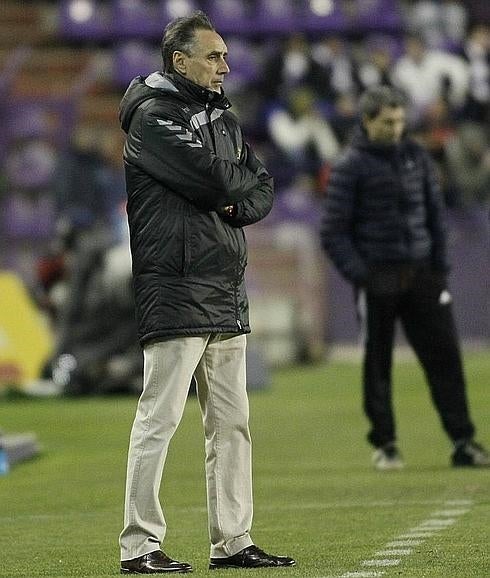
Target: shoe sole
225,566
124,571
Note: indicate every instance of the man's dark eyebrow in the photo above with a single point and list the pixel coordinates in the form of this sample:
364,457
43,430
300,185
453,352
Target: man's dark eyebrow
218,53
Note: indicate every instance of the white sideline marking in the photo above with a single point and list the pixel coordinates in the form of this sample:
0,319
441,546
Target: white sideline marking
381,562
395,552
362,574
401,543
459,512
438,521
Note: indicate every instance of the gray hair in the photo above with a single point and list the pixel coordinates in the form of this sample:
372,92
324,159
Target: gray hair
378,97
180,35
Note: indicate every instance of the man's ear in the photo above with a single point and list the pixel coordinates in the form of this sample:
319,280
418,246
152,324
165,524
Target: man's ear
179,62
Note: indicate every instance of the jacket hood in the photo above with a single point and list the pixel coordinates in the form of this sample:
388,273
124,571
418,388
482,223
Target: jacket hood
159,84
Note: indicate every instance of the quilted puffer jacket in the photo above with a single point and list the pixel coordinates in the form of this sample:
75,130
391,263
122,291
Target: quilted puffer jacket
383,208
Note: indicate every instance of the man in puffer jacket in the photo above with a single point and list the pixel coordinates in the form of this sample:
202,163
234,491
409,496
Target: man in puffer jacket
383,228
192,183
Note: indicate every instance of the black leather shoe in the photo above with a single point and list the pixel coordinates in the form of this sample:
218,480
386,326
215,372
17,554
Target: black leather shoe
251,557
154,563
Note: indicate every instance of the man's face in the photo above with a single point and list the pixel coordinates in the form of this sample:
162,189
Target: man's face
387,127
206,65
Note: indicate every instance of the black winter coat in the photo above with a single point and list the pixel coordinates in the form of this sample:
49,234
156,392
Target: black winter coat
185,160
383,207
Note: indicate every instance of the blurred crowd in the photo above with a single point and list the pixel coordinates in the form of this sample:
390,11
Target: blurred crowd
62,205
443,67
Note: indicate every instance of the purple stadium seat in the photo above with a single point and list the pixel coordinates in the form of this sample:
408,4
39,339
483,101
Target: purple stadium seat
229,16
132,59
136,18
86,19
28,120
28,218
379,15
170,9
49,118
334,16
323,16
31,165
275,16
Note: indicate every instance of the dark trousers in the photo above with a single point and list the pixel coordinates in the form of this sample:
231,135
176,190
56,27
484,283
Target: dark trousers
419,299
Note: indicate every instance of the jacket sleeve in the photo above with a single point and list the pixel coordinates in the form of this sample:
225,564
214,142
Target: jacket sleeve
337,225
170,151
259,201
436,217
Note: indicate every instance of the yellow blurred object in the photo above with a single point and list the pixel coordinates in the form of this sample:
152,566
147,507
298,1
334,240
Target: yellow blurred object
26,341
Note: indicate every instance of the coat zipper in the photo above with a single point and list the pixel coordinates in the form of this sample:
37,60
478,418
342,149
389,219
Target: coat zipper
235,288
235,294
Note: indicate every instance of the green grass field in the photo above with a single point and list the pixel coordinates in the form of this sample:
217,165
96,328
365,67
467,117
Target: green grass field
316,496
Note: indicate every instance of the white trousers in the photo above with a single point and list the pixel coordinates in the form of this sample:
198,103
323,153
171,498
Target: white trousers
218,363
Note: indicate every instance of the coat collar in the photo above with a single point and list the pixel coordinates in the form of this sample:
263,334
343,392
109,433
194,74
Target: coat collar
177,83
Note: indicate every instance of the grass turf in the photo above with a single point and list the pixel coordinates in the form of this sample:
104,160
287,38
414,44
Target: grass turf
316,496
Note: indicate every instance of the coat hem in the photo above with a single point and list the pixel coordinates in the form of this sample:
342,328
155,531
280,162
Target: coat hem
187,332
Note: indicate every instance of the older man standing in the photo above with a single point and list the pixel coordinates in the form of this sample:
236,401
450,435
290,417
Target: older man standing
193,183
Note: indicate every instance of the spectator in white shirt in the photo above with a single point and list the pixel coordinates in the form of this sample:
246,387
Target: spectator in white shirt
477,53
439,22
426,75
302,133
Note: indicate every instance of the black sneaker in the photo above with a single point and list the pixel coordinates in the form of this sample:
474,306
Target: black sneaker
387,458
469,453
